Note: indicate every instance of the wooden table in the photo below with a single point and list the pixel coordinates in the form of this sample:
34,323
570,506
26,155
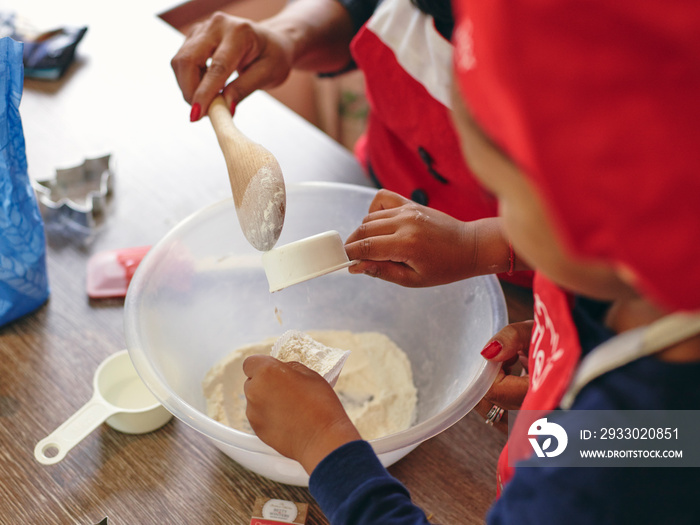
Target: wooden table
121,97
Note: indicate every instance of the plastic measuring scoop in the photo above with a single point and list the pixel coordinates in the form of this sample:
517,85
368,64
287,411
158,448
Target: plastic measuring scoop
120,399
305,259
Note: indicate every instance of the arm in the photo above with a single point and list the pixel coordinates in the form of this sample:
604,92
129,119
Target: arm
412,245
319,31
295,411
306,34
352,487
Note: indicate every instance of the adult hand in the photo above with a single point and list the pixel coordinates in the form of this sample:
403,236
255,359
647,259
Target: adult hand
510,347
411,245
222,44
294,410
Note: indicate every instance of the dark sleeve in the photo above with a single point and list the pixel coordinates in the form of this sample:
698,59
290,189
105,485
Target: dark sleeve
351,486
604,496
619,496
360,10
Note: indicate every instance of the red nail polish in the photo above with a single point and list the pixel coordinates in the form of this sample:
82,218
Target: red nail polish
233,108
196,110
491,350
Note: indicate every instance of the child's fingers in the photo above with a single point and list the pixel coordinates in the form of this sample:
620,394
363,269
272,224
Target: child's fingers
304,370
378,215
386,199
393,272
379,248
370,229
254,364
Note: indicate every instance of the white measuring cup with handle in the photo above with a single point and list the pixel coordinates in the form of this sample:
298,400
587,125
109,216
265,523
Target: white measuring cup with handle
120,399
305,259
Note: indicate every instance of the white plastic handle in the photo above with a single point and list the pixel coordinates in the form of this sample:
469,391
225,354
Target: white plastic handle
56,445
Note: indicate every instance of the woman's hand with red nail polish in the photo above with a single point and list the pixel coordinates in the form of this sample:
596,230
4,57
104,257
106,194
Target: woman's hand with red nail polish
312,35
510,347
224,44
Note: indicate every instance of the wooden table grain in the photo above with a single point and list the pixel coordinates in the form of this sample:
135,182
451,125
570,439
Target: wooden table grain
120,97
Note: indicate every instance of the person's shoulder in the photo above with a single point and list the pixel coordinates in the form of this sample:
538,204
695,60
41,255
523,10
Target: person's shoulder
648,383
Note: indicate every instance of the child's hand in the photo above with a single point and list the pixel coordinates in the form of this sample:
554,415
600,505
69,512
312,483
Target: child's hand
412,245
294,410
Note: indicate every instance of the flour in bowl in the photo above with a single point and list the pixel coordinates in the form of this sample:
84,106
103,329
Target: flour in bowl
375,384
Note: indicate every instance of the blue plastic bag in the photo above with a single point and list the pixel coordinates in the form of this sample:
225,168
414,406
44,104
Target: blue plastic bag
23,280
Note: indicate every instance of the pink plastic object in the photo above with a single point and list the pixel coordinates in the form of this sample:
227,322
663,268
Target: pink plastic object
109,273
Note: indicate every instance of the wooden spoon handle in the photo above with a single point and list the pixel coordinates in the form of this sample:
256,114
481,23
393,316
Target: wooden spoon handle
256,180
236,147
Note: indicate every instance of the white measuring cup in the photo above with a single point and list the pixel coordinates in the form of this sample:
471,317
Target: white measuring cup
305,259
120,399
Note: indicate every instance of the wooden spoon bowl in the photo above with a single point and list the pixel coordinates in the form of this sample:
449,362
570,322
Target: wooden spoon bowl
256,180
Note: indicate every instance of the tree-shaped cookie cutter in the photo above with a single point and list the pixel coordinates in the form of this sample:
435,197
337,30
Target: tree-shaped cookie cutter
74,203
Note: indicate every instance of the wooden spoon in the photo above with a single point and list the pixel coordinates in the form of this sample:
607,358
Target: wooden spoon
256,180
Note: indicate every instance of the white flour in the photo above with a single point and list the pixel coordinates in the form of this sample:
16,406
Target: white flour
294,345
375,385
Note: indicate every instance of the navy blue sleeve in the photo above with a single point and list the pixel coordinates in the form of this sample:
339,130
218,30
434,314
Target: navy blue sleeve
604,496
351,486
619,496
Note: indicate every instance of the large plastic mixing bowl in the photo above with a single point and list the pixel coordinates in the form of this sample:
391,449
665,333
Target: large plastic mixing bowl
201,292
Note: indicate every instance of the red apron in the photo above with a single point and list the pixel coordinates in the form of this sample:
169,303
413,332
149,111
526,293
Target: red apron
554,355
410,145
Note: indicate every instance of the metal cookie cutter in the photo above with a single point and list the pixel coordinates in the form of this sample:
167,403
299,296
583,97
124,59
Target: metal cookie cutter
74,203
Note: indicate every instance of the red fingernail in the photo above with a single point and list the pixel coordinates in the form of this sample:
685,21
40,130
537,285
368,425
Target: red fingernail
233,108
491,350
196,110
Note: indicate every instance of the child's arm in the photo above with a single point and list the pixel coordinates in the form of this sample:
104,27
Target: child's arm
352,487
412,245
296,412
